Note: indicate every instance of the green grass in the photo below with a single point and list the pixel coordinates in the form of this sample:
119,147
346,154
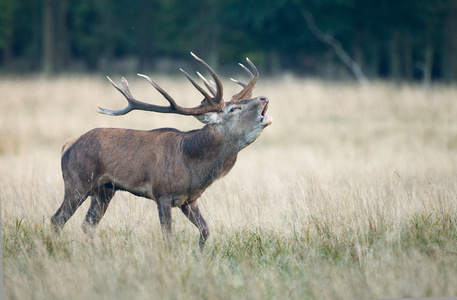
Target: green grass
313,262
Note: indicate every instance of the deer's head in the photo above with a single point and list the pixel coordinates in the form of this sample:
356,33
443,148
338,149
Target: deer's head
242,120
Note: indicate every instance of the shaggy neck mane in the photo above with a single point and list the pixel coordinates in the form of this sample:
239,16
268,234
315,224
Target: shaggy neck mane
209,148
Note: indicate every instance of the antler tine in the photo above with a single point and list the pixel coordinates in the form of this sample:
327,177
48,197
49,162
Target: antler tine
219,89
239,82
256,72
246,69
161,90
247,88
209,85
126,93
199,88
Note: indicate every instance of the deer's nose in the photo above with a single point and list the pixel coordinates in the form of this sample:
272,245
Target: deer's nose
264,100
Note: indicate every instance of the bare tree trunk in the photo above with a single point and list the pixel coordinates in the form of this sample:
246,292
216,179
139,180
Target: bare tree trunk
427,66
7,55
375,58
145,34
449,62
213,49
395,57
8,8
48,63
408,57
336,46
209,39
62,48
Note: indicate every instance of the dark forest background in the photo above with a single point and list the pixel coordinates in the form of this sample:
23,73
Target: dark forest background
401,40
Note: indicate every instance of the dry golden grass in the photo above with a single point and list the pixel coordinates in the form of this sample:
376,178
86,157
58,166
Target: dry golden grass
350,193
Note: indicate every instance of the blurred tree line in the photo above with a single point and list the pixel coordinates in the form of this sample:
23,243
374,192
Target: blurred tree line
400,40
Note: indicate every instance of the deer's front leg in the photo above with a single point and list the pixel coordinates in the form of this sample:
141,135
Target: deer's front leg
165,220
192,212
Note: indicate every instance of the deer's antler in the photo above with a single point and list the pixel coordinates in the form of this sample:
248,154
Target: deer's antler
209,104
246,92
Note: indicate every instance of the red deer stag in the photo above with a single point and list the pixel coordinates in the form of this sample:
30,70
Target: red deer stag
171,167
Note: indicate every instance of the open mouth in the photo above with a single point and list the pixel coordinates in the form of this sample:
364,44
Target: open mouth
264,111
264,118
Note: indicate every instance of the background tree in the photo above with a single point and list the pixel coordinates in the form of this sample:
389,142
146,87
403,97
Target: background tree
398,40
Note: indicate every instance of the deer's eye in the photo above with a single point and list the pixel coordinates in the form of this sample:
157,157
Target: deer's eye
235,108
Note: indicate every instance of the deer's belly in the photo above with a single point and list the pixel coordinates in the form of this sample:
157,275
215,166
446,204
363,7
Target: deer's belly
142,189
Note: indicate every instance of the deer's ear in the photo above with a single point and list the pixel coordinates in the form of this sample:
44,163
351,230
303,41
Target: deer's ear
209,118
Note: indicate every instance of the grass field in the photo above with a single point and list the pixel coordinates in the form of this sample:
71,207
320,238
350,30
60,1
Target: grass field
350,193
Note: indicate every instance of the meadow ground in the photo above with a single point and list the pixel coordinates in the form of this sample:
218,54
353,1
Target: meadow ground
350,193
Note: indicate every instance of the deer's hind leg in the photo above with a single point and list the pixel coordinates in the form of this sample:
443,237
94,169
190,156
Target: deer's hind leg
73,198
99,202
